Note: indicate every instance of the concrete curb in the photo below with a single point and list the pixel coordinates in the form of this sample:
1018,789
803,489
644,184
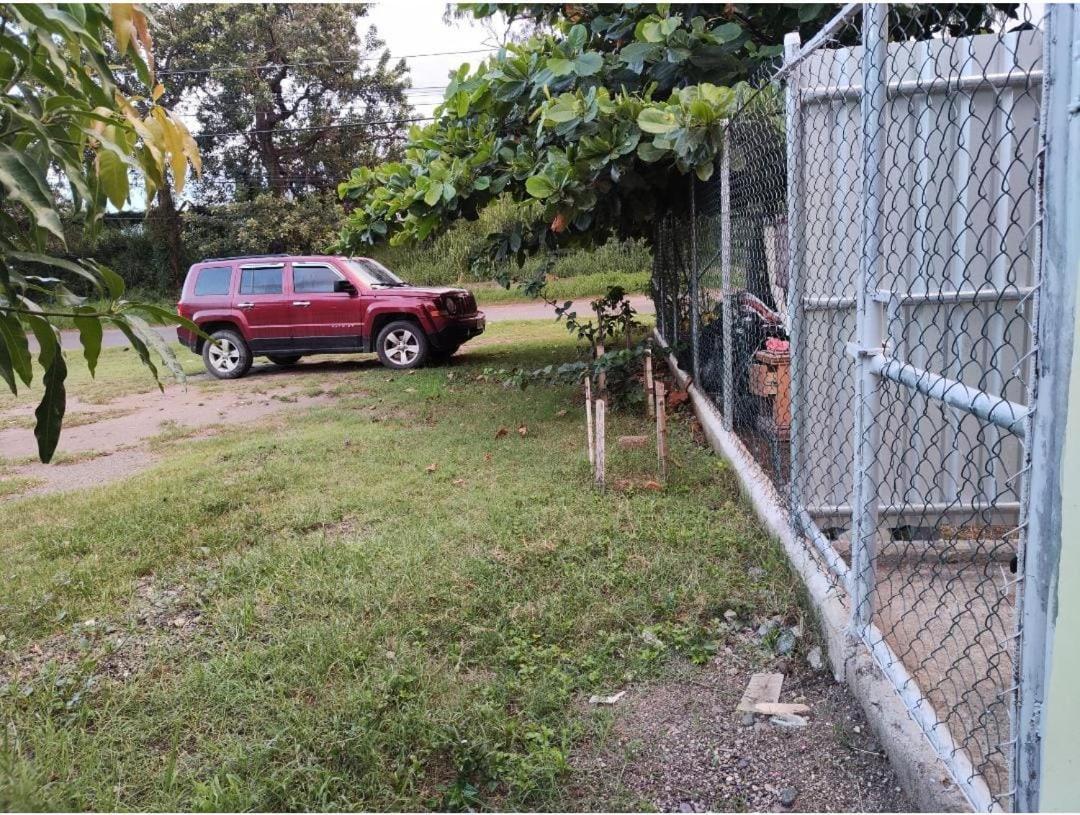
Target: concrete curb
924,777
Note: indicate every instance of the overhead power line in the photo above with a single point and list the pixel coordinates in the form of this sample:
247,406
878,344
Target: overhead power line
216,69
334,126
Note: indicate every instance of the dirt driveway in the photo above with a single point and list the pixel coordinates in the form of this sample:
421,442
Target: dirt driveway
106,442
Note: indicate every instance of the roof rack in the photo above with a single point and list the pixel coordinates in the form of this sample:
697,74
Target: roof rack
247,257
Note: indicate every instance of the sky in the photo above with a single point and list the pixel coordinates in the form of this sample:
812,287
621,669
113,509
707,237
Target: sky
418,28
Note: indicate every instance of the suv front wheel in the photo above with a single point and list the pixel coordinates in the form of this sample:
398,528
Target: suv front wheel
401,345
226,356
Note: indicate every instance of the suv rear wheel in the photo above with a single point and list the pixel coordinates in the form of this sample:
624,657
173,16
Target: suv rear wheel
227,356
402,344
284,359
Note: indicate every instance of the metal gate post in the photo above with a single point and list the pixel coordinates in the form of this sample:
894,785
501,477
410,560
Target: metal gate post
1041,541
793,148
725,278
869,327
695,308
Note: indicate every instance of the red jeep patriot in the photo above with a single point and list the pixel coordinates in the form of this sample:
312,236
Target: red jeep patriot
284,307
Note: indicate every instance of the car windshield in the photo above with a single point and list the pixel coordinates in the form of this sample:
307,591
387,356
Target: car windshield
374,273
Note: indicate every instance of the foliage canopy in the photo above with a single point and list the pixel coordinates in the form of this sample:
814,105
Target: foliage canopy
64,120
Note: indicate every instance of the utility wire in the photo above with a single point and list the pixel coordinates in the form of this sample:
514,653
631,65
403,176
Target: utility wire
335,126
277,65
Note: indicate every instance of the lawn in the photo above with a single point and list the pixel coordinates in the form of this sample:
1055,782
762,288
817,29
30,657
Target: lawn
392,600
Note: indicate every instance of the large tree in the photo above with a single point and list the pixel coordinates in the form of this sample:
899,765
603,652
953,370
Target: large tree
305,92
594,119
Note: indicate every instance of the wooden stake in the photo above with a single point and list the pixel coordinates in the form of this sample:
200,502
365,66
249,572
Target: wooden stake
601,378
650,403
589,419
601,457
661,430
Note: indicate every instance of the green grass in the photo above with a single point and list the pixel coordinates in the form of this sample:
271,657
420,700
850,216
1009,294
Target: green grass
372,634
564,288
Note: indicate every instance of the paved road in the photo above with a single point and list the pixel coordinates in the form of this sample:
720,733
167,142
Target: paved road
495,314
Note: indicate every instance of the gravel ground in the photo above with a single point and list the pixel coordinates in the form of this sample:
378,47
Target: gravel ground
678,745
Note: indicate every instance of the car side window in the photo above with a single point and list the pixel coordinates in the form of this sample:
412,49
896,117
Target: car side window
213,280
260,280
314,279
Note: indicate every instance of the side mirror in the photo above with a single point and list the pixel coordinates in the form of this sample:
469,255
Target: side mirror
345,286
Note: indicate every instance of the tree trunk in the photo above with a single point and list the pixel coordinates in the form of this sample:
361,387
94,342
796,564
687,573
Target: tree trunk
169,220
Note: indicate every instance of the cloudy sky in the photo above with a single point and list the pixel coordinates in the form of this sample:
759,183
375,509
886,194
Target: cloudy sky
418,28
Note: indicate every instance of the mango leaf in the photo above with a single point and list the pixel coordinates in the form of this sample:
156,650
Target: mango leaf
50,411
25,182
90,336
7,368
113,173
13,340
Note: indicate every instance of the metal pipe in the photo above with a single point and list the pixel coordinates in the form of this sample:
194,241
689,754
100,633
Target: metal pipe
940,84
823,36
994,409
695,304
794,155
1059,258
864,520
930,297
804,525
938,508
922,710
725,281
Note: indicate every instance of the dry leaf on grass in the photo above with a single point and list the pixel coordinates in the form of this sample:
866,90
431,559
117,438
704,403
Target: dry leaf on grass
523,430
655,486
502,431
560,413
432,467
487,456
676,398
457,482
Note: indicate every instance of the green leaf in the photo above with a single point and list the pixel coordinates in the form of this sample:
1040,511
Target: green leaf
25,182
728,32
7,368
539,187
588,63
113,173
809,11
433,194
139,346
50,411
90,337
654,120
560,66
13,340
704,171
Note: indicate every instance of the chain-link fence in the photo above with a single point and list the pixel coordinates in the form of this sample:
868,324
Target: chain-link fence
855,290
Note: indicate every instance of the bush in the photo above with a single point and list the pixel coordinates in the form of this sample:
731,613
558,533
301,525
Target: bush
138,249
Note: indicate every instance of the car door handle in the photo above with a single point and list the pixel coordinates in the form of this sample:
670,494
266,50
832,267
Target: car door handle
301,302
245,305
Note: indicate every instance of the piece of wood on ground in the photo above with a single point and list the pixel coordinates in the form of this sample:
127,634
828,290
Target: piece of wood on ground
631,442
760,688
780,708
607,700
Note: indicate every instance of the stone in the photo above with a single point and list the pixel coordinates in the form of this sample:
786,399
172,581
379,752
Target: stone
815,659
787,796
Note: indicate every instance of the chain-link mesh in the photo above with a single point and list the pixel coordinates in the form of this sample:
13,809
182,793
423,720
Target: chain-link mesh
855,290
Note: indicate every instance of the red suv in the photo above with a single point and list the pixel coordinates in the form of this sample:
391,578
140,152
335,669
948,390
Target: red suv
284,307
